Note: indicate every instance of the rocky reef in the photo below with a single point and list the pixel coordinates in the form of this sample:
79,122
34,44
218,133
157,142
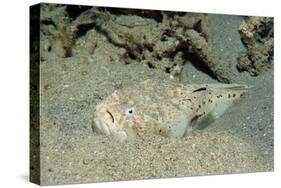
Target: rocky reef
257,36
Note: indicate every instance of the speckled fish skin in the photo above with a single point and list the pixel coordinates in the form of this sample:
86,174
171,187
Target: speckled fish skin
163,107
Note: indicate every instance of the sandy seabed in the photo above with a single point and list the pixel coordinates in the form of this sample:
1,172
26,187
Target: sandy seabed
240,141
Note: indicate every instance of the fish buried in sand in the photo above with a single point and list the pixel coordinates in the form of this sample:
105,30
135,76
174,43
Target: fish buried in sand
163,107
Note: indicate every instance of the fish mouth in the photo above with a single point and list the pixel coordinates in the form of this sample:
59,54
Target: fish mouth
111,116
106,124
105,121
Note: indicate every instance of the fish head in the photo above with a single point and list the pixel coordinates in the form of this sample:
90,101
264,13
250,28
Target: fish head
117,116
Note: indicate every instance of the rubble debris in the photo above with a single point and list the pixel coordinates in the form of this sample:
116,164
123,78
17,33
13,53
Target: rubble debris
55,34
257,36
159,39
165,44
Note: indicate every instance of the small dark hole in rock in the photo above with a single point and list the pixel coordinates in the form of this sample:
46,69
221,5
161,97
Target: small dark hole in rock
68,52
164,38
83,29
150,65
75,10
159,57
49,48
265,29
132,56
149,48
168,70
48,22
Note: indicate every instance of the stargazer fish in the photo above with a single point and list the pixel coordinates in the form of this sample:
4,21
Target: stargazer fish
163,107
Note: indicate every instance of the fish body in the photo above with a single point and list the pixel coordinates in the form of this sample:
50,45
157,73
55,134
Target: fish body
163,107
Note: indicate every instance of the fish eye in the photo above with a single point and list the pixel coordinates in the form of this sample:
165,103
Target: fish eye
130,111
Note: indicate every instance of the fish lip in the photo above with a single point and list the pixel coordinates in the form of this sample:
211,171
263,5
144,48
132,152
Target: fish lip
102,127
